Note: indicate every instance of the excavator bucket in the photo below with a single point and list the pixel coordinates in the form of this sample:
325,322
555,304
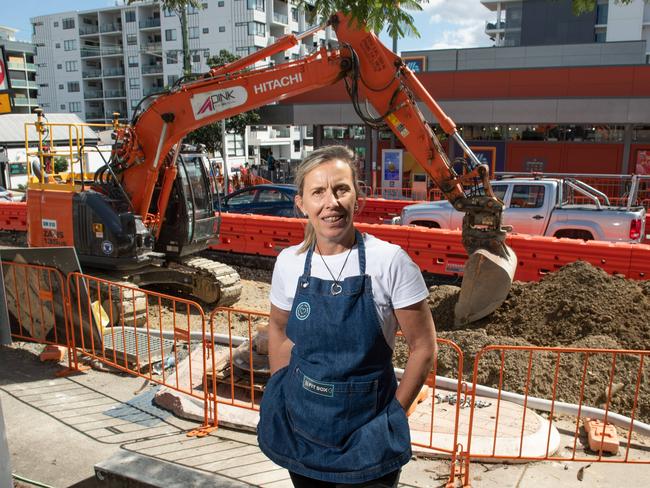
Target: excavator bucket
487,278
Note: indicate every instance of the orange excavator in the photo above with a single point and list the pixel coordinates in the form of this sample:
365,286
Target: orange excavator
149,209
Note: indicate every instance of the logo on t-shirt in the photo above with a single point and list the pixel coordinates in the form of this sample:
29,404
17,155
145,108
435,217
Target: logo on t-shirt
303,310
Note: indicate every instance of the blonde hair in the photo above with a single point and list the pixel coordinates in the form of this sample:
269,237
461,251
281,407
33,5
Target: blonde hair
323,155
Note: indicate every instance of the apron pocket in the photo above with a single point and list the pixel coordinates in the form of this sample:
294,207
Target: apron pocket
326,412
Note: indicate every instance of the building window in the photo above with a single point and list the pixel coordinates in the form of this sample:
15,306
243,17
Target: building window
168,12
59,66
61,86
196,58
294,14
206,53
222,28
171,79
170,34
74,107
73,86
70,45
204,6
68,23
57,45
602,10
134,82
255,5
56,24
206,30
133,61
256,29
129,16
70,66
193,32
192,10
220,4
62,106
172,57
131,39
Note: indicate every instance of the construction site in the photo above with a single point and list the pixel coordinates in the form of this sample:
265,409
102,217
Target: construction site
135,315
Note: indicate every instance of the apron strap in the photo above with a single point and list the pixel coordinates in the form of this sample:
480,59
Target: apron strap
361,249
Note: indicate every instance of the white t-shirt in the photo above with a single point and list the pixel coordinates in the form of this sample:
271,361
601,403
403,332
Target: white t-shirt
396,280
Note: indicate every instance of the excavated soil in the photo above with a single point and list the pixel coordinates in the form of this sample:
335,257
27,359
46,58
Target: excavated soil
579,306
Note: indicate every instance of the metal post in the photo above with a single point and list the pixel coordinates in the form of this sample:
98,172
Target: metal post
5,459
224,156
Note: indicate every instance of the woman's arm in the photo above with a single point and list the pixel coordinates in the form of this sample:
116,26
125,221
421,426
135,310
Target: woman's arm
279,344
419,331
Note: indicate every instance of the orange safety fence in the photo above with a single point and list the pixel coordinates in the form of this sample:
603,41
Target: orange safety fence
36,304
142,333
582,391
441,251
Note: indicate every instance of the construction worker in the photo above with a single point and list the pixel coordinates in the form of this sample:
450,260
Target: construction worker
332,412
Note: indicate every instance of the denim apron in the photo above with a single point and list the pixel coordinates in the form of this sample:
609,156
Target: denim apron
331,414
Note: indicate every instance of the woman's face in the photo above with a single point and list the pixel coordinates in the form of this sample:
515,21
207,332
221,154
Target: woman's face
328,201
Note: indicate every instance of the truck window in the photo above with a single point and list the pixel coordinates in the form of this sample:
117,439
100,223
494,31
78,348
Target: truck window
500,191
527,196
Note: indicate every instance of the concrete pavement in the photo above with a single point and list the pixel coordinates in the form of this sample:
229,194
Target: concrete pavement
58,429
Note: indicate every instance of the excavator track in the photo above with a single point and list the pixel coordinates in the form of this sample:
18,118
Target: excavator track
212,282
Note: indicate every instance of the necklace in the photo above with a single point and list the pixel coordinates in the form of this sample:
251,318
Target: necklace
336,287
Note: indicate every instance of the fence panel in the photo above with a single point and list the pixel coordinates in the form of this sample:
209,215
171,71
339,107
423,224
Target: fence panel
571,384
143,333
36,304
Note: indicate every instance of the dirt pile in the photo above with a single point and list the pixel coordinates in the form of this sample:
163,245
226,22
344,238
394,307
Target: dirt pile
578,306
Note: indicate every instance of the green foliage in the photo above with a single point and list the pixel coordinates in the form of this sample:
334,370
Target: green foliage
210,135
60,164
583,6
375,14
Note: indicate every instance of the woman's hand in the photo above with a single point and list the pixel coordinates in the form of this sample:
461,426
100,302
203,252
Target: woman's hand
419,331
279,344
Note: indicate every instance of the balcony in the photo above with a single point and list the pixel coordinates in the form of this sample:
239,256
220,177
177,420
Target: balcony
151,47
152,90
112,51
90,52
23,84
24,101
114,27
114,94
493,26
152,69
92,73
113,72
149,23
280,18
88,30
93,94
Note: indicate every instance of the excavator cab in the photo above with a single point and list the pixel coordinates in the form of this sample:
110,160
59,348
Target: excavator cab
190,221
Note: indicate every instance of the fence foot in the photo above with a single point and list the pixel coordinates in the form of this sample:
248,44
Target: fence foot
459,475
70,371
201,431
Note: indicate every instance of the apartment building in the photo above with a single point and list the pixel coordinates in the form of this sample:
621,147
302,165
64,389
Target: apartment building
539,22
97,62
21,70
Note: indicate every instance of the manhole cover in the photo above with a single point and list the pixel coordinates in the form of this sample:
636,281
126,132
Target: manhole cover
137,346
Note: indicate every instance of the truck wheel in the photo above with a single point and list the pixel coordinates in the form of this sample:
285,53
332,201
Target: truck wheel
575,234
427,224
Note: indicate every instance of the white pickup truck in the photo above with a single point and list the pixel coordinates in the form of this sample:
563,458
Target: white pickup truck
547,207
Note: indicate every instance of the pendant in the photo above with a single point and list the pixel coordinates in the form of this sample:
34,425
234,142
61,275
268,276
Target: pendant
336,288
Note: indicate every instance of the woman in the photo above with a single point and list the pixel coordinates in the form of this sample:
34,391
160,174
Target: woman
332,412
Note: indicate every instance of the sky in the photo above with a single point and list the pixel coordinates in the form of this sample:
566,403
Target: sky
442,23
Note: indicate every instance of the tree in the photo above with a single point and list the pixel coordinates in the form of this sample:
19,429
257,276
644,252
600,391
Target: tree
210,135
180,8
375,14
583,6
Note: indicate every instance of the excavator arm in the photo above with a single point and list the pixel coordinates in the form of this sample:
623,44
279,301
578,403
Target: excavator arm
373,75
